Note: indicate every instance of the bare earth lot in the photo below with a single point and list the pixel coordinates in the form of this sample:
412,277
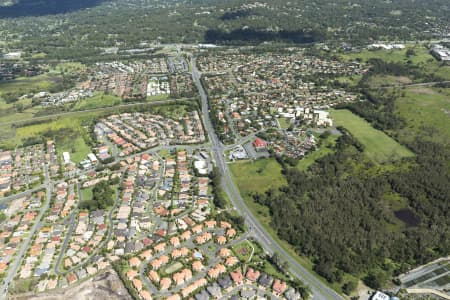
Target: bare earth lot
102,287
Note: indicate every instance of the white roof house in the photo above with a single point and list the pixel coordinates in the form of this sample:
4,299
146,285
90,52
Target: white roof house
66,157
201,166
380,296
92,157
323,118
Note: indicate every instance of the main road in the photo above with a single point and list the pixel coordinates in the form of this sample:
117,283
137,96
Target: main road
320,290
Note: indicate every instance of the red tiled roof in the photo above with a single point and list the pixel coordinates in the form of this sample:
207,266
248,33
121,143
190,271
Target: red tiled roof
259,143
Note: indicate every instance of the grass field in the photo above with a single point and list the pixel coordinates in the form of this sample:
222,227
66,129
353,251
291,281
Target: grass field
171,111
77,148
173,268
99,100
378,146
422,59
257,176
26,84
284,123
157,98
69,67
425,110
324,149
87,193
384,80
67,132
350,80
421,56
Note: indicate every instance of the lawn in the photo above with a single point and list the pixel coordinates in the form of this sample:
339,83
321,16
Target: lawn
325,148
99,100
173,268
284,123
87,194
378,146
257,176
244,250
157,98
425,110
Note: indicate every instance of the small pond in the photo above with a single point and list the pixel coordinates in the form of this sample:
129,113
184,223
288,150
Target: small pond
407,216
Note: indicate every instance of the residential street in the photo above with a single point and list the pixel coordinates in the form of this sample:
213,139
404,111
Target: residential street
18,260
320,291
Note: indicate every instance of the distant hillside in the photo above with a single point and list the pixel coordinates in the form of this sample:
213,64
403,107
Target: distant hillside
24,8
70,31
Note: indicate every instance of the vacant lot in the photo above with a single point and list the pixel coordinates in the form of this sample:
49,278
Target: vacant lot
28,84
385,80
421,58
421,55
257,176
99,100
101,287
378,146
67,132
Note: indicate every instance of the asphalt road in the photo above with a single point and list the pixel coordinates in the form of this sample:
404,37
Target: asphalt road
22,194
320,290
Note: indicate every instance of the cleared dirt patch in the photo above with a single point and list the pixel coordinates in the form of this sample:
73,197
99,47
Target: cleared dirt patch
403,80
422,90
105,286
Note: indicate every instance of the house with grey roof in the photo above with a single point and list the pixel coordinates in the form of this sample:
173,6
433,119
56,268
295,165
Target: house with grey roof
225,282
265,280
291,294
203,295
214,290
248,294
